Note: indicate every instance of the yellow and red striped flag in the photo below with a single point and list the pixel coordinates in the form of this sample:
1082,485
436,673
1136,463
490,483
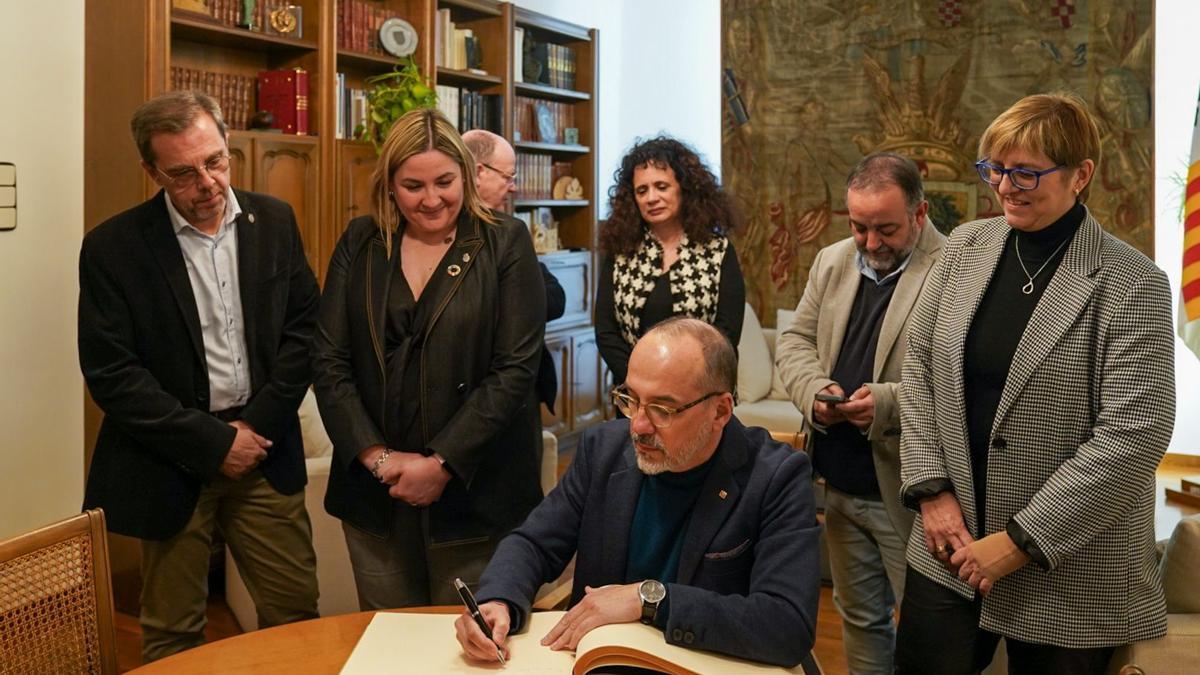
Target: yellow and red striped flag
1189,304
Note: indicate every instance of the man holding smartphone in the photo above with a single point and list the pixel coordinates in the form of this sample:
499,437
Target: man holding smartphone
840,361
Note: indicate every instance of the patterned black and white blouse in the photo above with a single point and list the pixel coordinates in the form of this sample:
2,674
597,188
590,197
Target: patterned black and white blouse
635,293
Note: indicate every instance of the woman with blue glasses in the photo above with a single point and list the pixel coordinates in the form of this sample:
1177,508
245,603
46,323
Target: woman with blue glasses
1038,399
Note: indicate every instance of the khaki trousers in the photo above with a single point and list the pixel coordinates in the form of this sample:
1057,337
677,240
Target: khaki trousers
270,537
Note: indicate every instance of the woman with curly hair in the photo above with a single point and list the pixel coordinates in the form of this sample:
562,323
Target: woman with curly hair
666,250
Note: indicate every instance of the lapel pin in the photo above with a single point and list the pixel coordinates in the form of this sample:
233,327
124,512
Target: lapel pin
722,494
454,270
250,217
466,257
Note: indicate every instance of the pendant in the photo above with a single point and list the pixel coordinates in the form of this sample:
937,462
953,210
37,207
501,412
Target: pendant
1027,289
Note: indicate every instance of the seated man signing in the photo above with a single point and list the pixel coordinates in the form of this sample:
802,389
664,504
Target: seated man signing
681,517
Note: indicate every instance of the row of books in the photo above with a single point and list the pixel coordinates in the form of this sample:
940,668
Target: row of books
233,13
539,62
468,109
283,93
536,175
352,110
543,121
234,93
358,23
457,48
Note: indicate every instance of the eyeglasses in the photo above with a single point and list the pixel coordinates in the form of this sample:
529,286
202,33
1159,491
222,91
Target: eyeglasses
659,415
1022,179
509,178
189,176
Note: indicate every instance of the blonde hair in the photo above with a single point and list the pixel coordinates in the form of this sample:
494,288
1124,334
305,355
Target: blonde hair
1056,124
415,132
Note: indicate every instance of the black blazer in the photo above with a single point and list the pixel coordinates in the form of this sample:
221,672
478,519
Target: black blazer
749,570
478,408
142,356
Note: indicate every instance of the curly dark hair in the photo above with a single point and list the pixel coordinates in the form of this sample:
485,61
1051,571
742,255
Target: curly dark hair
705,209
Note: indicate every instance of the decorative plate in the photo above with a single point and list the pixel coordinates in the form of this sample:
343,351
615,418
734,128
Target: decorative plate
398,37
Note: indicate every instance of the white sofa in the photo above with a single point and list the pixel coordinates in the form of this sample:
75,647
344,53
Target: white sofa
335,579
762,401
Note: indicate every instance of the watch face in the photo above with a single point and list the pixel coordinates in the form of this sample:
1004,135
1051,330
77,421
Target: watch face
652,591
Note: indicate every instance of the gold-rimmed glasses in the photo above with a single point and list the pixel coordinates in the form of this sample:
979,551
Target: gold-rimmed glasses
508,177
659,415
185,177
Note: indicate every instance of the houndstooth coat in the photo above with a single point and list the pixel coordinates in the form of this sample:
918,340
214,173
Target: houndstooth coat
1084,418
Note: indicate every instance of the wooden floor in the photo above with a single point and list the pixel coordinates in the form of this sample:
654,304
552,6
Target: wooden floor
221,624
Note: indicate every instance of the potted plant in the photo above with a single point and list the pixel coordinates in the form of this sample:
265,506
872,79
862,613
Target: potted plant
392,95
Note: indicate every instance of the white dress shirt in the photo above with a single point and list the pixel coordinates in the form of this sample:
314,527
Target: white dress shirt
212,267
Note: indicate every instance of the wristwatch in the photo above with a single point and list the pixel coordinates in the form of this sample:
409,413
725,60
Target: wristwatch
652,592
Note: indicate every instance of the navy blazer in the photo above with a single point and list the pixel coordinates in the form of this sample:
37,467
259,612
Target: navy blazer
142,355
749,577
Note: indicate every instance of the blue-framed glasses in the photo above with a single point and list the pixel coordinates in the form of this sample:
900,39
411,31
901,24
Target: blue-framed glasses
1021,178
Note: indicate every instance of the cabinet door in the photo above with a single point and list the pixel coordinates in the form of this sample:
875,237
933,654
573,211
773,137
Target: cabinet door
240,152
287,168
559,422
574,272
356,163
587,383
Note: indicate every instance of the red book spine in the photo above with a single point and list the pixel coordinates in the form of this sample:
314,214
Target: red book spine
284,93
302,102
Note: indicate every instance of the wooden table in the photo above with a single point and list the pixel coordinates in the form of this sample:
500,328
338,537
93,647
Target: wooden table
316,646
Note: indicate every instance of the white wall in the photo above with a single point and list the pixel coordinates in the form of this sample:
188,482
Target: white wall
1177,83
660,68
41,390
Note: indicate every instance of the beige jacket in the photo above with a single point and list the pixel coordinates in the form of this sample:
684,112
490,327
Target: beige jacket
808,349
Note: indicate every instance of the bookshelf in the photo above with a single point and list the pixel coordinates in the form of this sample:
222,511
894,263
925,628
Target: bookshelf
132,47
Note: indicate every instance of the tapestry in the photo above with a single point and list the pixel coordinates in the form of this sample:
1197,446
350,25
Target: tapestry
811,86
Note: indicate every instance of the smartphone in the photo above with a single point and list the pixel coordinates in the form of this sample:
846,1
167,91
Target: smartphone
831,398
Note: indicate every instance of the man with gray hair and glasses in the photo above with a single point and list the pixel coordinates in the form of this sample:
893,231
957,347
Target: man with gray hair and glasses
196,309
678,516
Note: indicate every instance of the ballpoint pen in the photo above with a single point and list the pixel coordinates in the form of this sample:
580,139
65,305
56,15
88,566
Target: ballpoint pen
473,609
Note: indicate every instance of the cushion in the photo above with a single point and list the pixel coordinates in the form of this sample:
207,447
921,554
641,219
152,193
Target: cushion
770,415
754,360
783,319
1181,567
312,430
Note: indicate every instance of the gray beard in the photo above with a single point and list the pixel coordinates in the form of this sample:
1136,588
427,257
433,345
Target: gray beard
686,454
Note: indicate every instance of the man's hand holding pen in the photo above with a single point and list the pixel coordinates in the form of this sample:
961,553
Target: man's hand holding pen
474,642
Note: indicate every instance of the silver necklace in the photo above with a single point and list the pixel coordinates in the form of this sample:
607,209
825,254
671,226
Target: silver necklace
1027,289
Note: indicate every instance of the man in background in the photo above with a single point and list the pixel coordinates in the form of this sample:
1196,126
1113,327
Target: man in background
196,309
496,178
848,340
678,516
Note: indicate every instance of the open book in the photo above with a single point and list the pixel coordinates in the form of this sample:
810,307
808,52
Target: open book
396,642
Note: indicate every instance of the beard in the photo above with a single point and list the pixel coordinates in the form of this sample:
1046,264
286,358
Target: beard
887,259
686,455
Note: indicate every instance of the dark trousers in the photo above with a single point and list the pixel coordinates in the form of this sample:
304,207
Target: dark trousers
939,634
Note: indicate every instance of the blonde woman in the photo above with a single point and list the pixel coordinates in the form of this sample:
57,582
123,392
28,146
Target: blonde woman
1038,399
427,344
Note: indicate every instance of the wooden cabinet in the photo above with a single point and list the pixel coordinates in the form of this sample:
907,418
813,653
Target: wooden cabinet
573,269
587,381
285,167
583,385
559,421
356,163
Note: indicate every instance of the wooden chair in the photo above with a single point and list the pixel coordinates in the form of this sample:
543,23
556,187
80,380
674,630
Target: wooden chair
796,439
56,606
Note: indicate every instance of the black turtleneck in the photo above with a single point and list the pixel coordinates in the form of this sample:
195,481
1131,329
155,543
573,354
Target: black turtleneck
999,322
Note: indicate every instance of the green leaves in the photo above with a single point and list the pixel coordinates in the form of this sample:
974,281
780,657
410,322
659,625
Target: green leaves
394,94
